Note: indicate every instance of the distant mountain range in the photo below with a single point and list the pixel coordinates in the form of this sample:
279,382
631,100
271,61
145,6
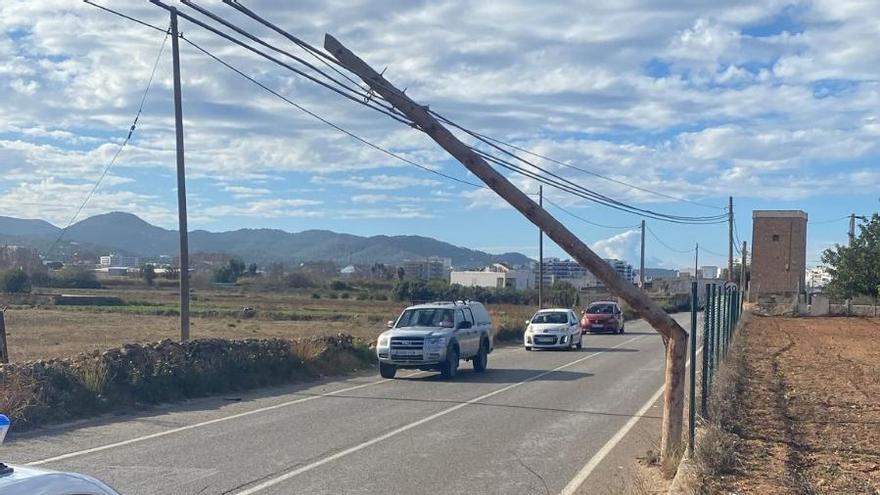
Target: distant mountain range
129,234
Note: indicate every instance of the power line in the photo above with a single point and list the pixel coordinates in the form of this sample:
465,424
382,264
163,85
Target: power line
582,219
485,138
566,185
667,246
560,182
300,107
325,121
845,217
279,62
596,197
121,145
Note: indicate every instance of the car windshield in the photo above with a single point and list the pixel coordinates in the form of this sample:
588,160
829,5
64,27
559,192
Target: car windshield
601,309
550,317
426,317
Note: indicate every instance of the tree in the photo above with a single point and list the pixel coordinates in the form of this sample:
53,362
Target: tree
855,269
252,270
149,274
15,281
230,273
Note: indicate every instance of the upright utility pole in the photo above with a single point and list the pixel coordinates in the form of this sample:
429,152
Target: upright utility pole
742,271
540,253
181,183
642,260
852,228
675,337
697,262
730,240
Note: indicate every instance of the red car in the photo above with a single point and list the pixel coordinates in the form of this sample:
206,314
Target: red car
602,316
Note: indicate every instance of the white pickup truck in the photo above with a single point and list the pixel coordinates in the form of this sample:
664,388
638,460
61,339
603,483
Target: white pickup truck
435,336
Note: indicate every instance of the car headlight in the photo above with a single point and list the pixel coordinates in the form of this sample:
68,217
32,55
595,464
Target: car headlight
435,341
562,340
383,341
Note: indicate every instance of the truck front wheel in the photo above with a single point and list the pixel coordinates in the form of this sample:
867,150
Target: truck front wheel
387,370
481,360
449,368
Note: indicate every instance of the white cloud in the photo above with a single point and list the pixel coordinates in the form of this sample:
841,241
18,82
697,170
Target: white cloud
623,246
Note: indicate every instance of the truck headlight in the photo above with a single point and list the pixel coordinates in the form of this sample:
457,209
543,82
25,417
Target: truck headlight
383,342
435,341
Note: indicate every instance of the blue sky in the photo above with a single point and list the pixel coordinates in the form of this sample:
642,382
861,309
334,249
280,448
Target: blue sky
773,102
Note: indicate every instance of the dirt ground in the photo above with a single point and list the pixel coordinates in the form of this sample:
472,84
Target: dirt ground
811,416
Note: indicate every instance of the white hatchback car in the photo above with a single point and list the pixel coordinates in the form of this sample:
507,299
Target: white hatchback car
556,328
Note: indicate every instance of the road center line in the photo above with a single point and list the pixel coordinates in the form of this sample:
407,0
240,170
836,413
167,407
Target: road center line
582,475
308,467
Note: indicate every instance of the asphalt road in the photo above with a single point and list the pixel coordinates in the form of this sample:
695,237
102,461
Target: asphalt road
535,422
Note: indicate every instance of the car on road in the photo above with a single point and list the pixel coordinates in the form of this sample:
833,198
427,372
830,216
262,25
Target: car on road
555,328
602,316
24,480
436,336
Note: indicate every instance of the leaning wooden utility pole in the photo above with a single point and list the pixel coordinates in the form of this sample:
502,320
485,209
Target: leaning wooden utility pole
181,183
674,336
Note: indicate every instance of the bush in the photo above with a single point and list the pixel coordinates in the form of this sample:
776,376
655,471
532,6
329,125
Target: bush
75,277
340,285
315,295
61,389
15,282
344,295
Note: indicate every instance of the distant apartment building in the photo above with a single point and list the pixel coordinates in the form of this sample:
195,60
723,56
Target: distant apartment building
119,260
496,276
779,253
426,269
556,270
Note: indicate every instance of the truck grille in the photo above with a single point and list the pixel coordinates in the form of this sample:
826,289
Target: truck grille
407,343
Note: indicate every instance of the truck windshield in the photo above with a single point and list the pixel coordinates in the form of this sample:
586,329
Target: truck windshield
554,317
601,309
426,317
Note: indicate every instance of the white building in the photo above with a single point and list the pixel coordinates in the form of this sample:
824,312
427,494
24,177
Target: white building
708,271
117,260
494,276
818,276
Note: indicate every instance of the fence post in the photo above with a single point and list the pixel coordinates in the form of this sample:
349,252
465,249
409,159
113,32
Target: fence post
716,342
707,350
692,411
4,351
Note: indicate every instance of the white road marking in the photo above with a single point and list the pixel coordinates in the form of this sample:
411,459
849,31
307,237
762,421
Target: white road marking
308,467
217,420
203,423
594,461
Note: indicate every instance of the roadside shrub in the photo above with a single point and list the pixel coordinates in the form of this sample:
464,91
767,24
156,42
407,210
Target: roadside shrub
715,453
344,295
15,282
75,277
61,389
315,295
340,285
333,295
510,330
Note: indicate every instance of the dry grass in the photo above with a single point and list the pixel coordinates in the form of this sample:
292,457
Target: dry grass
46,332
